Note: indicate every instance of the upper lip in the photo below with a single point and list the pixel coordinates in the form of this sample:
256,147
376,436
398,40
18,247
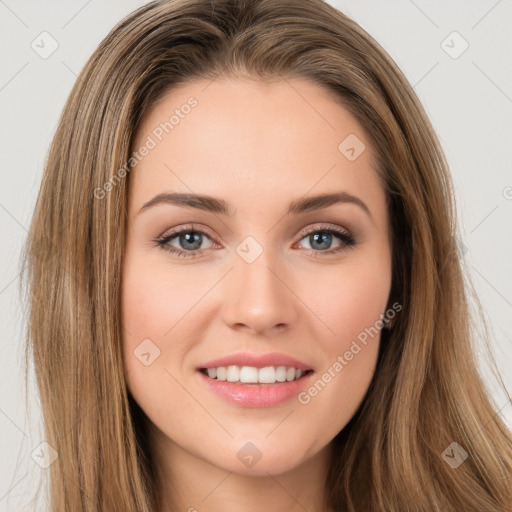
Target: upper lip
257,360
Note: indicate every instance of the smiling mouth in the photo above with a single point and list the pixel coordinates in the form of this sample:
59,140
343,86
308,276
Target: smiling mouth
254,375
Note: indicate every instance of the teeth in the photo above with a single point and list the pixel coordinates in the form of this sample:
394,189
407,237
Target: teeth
267,375
281,374
249,374
253,375
233,374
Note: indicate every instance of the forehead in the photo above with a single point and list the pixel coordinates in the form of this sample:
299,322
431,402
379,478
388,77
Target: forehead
258,109
225,136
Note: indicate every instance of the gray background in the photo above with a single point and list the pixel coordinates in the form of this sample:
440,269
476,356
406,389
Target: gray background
468,99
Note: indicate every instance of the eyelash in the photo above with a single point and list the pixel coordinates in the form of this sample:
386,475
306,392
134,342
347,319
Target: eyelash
344,236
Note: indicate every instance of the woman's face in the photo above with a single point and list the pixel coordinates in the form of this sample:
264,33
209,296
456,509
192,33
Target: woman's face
264,274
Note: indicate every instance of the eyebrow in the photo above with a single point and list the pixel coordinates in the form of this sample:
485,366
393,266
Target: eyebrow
215,205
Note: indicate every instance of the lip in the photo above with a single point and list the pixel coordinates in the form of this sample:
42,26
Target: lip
257,361
255,395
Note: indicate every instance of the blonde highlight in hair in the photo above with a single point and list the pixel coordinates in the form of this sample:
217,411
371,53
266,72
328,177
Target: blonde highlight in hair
426,393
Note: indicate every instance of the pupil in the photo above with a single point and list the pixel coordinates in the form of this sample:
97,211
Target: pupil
191,238
317,236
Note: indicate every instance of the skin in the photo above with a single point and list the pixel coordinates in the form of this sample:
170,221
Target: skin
258,147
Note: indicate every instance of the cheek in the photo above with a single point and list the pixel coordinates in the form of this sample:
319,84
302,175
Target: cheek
149,311
156,302
350,304
162,319
347,299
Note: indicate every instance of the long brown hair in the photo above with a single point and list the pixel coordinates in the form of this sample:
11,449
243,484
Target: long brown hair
426,393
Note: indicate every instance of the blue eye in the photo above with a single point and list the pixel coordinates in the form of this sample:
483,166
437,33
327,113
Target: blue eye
190,241
320,239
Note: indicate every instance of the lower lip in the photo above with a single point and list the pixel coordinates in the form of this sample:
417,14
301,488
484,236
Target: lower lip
255,395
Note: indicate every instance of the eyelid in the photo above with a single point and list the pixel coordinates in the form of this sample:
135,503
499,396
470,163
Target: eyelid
324,226
204,230
185,228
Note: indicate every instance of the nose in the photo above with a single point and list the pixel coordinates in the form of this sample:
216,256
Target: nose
259,298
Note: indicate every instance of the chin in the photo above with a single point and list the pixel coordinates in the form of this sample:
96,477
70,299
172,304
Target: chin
261,457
